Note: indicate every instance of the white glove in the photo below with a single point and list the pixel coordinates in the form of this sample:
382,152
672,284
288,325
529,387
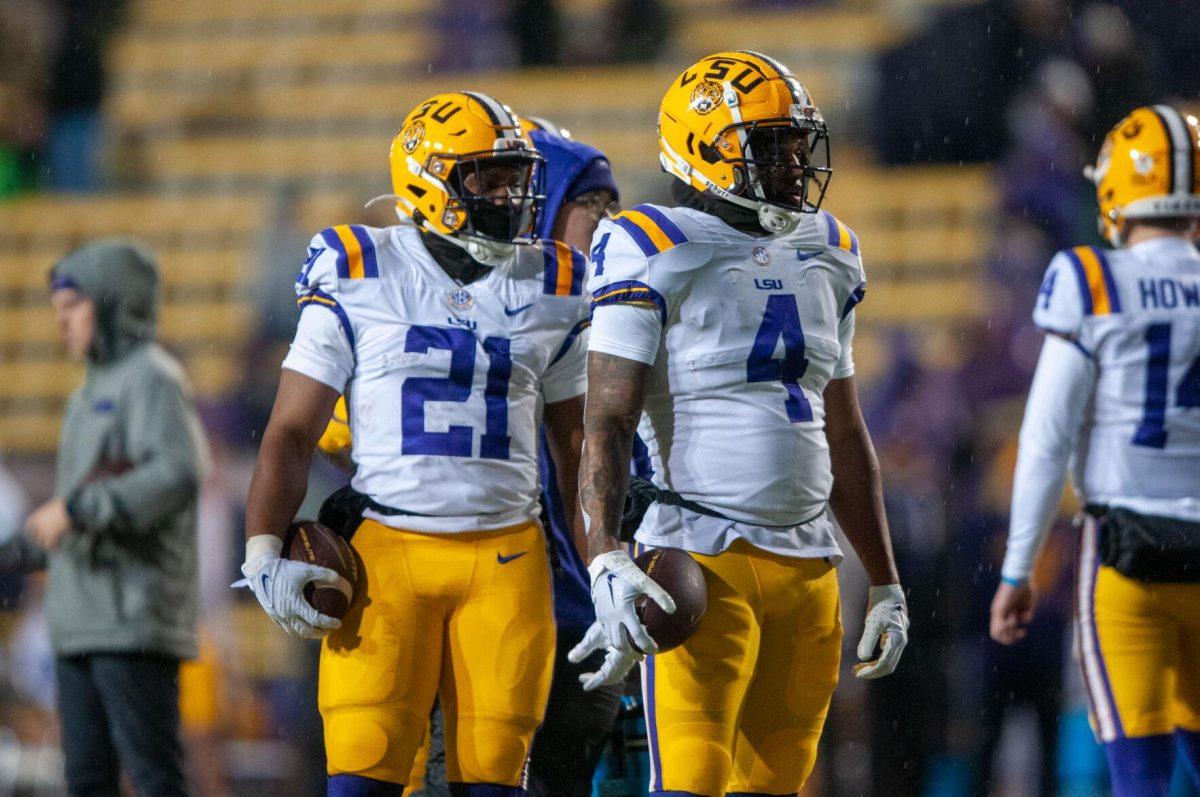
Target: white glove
616,666
279,586
886,628
617,584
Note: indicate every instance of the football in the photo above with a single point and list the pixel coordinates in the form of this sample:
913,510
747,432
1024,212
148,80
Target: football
683,579
314,544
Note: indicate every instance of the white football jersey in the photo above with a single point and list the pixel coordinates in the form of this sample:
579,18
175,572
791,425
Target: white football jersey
444,383
1136,313
754,328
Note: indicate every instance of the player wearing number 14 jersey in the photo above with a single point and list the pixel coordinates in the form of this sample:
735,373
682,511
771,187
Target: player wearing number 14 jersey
1116,399
725,325
452,338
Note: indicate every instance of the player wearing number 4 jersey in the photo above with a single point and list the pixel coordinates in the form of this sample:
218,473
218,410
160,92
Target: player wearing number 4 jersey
725,325
451,338
1116,396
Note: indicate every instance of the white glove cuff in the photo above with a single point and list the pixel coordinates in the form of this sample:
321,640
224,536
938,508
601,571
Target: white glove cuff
263,545
888,592
612,560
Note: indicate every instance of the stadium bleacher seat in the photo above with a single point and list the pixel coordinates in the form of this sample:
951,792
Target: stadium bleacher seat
215,103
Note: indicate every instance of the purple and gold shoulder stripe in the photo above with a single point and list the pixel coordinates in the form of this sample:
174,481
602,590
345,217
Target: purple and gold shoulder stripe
355,251
838,235
318,298
631,292
650,229
565,268
1097,289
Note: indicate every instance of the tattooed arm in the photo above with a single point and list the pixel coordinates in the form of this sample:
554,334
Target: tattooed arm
616,392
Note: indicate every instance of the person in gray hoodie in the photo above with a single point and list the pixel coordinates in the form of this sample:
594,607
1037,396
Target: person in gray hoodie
119,535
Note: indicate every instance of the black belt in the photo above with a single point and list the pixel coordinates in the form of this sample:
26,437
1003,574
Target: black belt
389,511
672,498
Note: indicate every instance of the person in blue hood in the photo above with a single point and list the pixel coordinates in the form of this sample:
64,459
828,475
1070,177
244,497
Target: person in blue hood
580,191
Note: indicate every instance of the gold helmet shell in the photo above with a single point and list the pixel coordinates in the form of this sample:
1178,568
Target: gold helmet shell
444,137
712,114
1148,167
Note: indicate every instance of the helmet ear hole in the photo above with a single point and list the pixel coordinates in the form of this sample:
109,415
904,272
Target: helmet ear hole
709,154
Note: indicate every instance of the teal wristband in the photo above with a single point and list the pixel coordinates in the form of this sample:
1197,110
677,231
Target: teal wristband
1014,582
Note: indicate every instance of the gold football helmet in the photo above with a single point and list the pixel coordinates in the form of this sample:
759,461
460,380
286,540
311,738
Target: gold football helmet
463,169
1148,167
739,126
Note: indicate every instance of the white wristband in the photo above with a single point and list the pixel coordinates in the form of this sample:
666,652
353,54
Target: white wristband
262,545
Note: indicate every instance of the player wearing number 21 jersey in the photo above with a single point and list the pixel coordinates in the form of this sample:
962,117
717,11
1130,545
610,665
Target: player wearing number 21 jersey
725,325
451,337
1116,401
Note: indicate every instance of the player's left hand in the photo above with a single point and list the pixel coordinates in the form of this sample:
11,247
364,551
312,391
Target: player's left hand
886,629
48,524
617,663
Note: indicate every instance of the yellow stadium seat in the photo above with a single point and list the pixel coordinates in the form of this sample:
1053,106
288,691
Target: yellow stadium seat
168,60
155,12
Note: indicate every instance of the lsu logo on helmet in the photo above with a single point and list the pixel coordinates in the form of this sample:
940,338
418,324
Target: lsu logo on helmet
705,97
462,168
411,136
1148,167
739,126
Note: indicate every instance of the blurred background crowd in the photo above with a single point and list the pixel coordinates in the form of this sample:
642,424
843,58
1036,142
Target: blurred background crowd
225,132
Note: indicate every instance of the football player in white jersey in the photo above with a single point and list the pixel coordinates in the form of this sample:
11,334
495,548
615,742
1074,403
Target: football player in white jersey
725,327
1116,400
451,338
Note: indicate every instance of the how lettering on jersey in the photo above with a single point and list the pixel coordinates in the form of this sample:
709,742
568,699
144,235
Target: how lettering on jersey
462,322
768,284
1167,294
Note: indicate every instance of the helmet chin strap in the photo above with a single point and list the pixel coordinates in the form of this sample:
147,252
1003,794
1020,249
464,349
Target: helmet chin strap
489,253
776,220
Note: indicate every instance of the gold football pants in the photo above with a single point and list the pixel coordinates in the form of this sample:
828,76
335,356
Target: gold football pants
740,706
1139,645
468,616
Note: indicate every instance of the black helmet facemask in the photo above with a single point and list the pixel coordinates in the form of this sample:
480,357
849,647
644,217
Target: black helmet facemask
508,217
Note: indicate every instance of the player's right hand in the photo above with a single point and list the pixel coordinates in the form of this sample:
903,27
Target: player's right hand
279,583
1012,610
616,666
617,583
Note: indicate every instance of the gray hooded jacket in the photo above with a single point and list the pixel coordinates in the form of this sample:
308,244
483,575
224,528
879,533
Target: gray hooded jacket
129,466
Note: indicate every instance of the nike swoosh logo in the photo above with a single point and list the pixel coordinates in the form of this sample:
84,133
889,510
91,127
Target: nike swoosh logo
801,256
517,310
266,584
502,559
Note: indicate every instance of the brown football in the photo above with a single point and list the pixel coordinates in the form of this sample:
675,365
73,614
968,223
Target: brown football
310,542
683,579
